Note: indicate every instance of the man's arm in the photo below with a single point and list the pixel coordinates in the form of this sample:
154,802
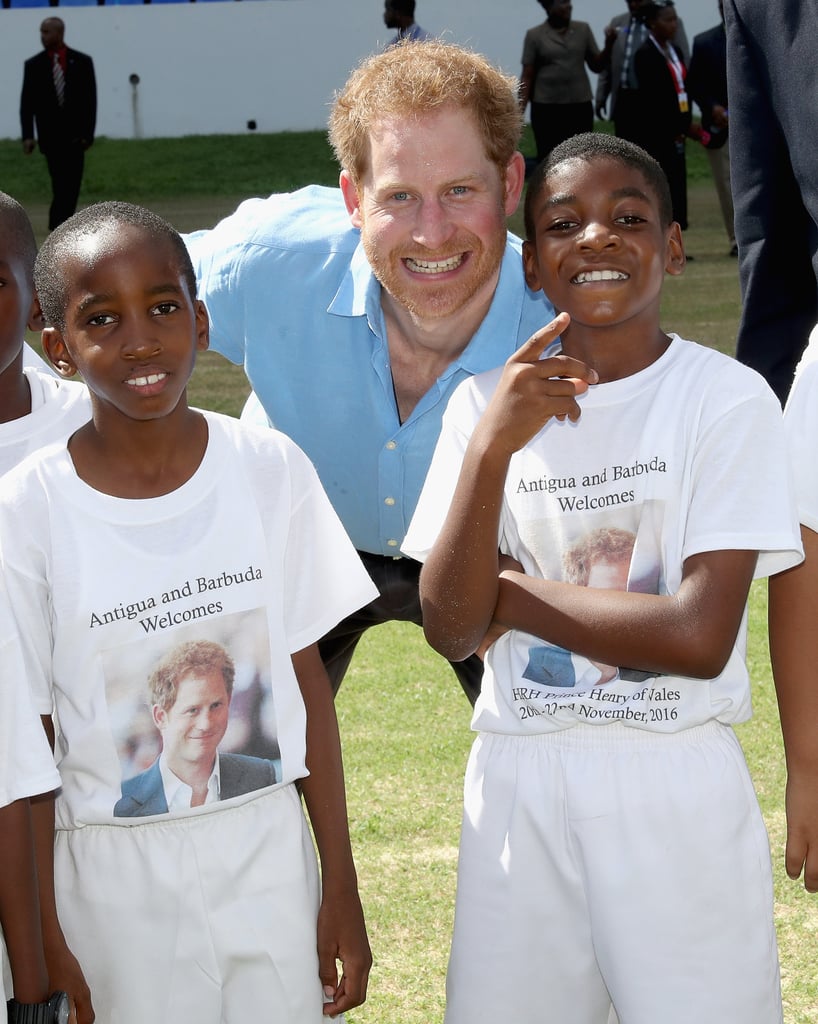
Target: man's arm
341,927
27,109
89,111
793,614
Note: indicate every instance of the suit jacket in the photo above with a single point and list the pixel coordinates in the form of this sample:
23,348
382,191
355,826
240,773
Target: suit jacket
707,77
773,92
660,119
608,80
144,794
58,125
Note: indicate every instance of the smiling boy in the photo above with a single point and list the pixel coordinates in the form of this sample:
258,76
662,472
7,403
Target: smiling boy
36,408
210,912
611,838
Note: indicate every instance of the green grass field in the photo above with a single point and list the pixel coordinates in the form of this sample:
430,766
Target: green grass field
404,722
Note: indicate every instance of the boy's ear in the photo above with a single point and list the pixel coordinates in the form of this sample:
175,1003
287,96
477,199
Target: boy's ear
202,327
36,320
531,267
675,257
59,356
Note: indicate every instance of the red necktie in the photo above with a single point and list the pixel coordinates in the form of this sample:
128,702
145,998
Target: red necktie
59,79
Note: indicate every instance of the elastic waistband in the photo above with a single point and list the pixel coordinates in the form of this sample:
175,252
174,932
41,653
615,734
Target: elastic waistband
613,737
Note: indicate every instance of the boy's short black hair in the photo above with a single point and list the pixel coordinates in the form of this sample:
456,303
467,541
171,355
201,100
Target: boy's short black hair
49,280
599,146
16,228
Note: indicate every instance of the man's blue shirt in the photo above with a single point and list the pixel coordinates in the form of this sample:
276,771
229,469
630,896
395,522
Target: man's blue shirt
291,295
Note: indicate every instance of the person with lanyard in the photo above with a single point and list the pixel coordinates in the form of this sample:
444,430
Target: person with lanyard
618,80
662,107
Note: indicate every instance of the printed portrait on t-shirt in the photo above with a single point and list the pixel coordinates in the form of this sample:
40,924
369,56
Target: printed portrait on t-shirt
606,558
192,716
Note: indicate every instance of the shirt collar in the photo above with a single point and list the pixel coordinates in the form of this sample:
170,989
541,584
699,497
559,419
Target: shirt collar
359,294
178,794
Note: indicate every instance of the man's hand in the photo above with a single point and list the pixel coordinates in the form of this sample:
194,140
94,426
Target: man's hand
29,145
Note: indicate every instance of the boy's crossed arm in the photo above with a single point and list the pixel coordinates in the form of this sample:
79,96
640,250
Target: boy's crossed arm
459,580
465,594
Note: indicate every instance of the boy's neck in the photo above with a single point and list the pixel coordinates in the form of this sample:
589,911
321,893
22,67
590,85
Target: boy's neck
133,459
614,352
15,393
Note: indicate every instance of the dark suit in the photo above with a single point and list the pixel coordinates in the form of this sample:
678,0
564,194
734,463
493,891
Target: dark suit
609,81
144,794
707,76
707,87
63,132
773,92
660,122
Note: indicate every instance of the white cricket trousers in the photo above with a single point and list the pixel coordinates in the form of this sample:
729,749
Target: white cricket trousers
206,919
608,868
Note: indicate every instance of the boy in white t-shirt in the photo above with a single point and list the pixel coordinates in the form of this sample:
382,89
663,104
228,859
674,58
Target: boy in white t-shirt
613,857
157,529
35,409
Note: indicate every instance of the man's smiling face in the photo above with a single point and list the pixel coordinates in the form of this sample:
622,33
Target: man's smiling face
432,212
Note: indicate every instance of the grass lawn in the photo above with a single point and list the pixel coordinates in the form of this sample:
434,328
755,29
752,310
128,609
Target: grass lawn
404,722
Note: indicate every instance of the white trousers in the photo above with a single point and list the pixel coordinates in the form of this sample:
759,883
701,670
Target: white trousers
209,919
609,869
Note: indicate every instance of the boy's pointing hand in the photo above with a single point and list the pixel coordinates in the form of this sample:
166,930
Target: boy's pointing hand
533,390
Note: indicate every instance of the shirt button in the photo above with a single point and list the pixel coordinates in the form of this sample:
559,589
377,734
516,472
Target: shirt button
392,543
391,445
389,501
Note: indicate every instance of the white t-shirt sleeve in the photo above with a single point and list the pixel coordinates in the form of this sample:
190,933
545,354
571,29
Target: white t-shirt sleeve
801,425
465,408
756,510
26,763
326,580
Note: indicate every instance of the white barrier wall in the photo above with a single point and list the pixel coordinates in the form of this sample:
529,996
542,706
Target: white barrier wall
213,67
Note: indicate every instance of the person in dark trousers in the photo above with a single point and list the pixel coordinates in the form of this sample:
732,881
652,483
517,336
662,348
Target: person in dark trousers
707,85
59,101
773,122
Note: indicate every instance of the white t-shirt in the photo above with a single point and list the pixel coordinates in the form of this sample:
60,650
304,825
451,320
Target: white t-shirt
684,457
248,553
801,425
58,408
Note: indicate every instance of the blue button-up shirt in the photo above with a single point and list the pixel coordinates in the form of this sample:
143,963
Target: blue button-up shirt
291,296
